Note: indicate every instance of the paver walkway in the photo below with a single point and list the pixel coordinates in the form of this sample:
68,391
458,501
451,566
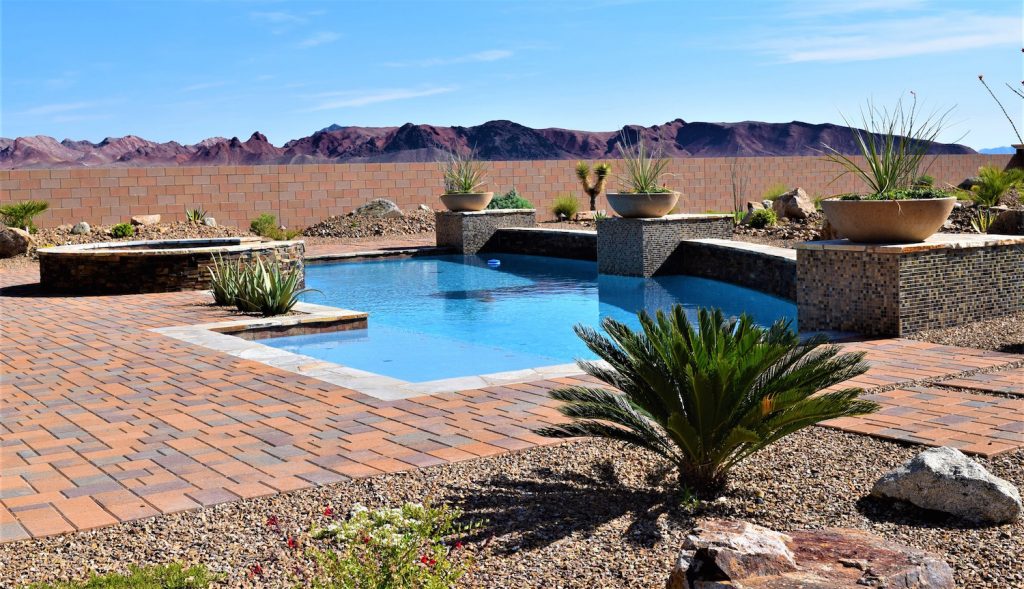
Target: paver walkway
106,421
1007,382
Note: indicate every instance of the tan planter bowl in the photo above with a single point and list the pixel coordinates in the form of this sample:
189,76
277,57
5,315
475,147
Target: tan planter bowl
887,221
640,205
468,201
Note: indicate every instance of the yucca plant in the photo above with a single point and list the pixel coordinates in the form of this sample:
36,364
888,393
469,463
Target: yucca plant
893,144
645,168
706,396
266,289
462,173
20,214
195,216
593,188
993,183
224,278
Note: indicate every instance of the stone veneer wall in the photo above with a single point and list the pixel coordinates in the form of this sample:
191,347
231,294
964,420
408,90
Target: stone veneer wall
765,268
557,243
301,195
893,291
640,247
106,272
470,232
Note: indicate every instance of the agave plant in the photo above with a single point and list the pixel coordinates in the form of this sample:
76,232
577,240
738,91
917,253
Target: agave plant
195,216
644,168
463,173
224,278
266,289
706,397
20,214
982,219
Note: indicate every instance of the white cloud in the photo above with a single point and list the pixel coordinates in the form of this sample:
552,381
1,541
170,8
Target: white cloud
348,99
50,109
203,86
480,56
321,38
895,37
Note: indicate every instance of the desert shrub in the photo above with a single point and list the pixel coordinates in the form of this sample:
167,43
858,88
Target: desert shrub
923,181
510,200
195,215
565,206
20,214
775,191
463,173
415,546
993,184
706,396
265,225
761,218
982,219
224,279
737,216
903,194
266,288
122,230
645,168
169,576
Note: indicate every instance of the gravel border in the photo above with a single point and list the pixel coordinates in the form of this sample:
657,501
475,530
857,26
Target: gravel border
1002,334
582,514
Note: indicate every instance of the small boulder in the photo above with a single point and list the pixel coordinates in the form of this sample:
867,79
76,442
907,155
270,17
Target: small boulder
81,228
379,207
145,219
209,221
754,206
1009,222
969,183
827,231
946,480
14,242
794,204
424,207
719,554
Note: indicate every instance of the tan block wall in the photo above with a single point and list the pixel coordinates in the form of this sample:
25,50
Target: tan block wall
303,195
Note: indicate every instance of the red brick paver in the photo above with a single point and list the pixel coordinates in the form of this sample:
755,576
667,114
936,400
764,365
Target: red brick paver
1009,382
106,421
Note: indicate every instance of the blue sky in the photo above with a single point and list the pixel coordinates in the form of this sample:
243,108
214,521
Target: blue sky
186,70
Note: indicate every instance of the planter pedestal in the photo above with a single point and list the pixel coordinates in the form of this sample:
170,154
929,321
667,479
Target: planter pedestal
895,290
470,232
640,247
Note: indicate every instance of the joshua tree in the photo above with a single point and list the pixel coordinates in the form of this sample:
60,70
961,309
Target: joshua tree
601,173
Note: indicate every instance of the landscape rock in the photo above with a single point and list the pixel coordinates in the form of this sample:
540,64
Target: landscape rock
144,220
14,242
723,554
379,207
946,480
827,231
754,206
424,207
209,221
969,183
1009,222
81,228
795,204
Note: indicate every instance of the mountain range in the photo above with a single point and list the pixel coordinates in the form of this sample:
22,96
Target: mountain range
493,140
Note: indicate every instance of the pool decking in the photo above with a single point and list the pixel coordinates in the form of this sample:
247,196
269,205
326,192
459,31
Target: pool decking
105,420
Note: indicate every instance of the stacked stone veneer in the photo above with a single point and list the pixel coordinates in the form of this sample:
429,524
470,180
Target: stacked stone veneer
900,289
184,265
641,247
470,232
536,241
765,268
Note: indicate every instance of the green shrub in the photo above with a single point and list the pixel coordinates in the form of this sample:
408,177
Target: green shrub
737,216
415,546
993,184
761,218
169,576
266,289
775,191
510,200
903,194
924,181
195,215
122,230
566,206
706,397
265,225
462,173
20,214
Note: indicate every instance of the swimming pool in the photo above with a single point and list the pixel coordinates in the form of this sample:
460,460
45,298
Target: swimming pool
442,317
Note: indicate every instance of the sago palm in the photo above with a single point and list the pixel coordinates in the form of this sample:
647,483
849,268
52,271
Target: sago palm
706,397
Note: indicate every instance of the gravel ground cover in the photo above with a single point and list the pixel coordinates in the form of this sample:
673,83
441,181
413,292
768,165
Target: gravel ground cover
358,226
1002,334
581,514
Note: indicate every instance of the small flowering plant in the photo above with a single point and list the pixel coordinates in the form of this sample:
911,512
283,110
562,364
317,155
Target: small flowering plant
415,546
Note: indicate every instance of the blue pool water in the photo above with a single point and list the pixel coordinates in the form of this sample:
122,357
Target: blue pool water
448,316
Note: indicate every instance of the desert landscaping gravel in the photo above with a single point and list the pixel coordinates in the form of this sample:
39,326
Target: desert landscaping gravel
583,514
1002,334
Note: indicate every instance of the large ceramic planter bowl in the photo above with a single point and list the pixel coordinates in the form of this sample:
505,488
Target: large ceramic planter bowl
469,201
640,205
887,221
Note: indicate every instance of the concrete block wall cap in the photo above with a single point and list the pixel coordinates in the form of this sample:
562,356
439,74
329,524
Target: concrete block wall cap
172,247
936,242
771,251
547,230
486,212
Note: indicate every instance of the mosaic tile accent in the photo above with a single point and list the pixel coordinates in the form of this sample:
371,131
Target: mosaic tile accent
640,247
761,267
538,241
470,232
902,289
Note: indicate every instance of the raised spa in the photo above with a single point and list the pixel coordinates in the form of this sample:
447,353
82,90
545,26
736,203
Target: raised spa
152,266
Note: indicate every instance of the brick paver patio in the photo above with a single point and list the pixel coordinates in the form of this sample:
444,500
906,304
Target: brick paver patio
106,421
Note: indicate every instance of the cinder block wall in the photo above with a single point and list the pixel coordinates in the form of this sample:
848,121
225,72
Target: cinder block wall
305,194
